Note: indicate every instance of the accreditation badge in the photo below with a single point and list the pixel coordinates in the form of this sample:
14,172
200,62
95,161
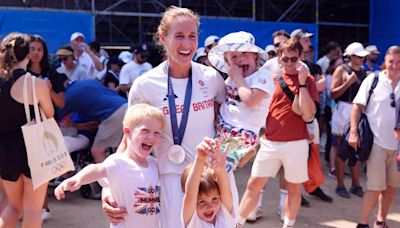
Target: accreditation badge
176,154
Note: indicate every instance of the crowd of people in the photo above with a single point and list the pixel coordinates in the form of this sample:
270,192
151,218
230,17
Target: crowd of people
182,128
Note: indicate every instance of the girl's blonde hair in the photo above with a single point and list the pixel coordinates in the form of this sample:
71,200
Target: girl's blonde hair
14,48
138,112
208,180
169,15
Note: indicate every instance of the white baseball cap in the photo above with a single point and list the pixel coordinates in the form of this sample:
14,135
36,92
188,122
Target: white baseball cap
236,41
76,35
372,49
269,48
301,33
201,51
125,56
357,49
210,40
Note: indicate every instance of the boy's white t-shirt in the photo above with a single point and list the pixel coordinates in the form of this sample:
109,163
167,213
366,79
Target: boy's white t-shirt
207,87
224,219
237,113
135,188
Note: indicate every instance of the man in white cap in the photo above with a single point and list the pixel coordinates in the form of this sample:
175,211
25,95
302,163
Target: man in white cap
346,81
370,64
303,37
210,42
84,56
201,56
134,68
270,49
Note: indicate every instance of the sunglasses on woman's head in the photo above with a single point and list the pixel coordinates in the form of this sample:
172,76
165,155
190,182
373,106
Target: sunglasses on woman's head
292,59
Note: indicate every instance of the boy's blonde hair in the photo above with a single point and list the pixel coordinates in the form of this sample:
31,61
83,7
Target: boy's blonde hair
208,180
138,112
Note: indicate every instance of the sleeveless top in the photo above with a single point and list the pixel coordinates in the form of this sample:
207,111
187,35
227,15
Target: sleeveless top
12,112
351,92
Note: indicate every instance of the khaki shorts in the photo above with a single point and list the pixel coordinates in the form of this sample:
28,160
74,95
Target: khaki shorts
291,155
110,130
382,169
341,117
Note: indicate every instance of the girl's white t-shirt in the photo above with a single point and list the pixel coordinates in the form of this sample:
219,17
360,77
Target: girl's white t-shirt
237,113
224,219
135,188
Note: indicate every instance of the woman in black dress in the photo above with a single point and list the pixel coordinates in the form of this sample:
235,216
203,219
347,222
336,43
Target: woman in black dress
14,170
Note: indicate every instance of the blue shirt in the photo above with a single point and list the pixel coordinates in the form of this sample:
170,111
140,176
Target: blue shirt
375,68
91,99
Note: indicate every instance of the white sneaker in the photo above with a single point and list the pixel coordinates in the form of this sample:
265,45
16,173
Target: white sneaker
45,214
254,215
281,213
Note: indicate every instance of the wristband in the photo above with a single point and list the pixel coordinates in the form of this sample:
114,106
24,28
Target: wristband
303,86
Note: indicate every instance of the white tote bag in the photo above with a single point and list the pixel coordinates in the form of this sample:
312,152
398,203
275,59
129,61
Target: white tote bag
48,157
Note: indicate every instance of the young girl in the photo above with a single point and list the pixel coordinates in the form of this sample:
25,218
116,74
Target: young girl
132,175
249,92
207,202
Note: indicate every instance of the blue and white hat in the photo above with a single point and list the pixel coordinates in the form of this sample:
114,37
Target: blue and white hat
236,41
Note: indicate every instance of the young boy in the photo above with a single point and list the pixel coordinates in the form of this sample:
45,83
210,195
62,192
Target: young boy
133,174
207,202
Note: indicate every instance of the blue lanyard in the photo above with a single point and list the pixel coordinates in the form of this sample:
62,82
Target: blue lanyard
179,133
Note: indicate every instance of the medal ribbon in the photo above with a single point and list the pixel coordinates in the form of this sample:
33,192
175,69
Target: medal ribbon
178,133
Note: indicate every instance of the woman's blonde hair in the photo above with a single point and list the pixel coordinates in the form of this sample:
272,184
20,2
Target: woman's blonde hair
137,113
14,48
208,180
169,15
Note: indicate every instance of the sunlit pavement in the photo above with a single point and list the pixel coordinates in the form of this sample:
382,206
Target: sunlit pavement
75,211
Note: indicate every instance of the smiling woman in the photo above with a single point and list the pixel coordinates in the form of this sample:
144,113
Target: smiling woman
175,83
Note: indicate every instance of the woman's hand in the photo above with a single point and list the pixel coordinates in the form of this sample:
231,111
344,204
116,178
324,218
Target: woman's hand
110,208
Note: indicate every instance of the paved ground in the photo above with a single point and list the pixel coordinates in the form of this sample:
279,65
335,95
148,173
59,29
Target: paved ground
76,211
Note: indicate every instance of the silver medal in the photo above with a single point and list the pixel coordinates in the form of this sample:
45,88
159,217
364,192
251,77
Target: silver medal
176,154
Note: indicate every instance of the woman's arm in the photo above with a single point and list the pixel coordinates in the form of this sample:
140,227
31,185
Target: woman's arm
339,85
114,213
44,97
111,85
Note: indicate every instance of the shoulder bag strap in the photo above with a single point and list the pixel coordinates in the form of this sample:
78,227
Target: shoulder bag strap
285,88
26,100
371,90
347,68
35,100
